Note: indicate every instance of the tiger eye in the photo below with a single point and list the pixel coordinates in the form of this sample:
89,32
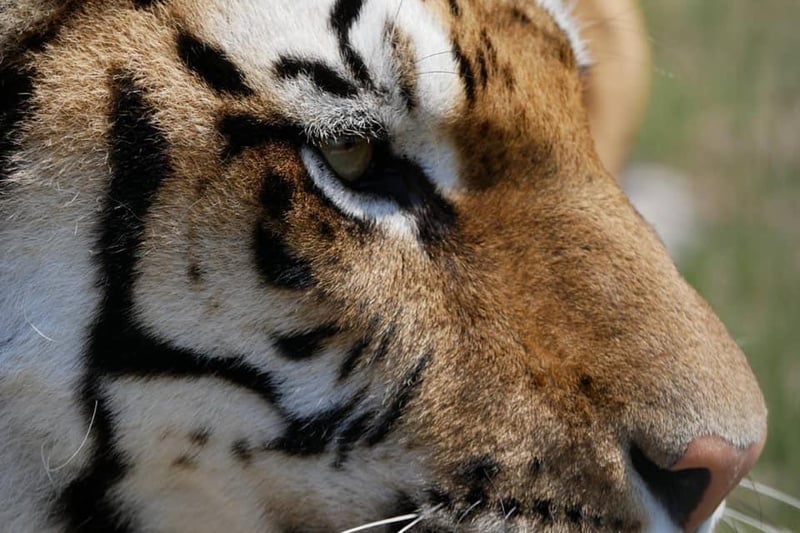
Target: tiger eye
348,157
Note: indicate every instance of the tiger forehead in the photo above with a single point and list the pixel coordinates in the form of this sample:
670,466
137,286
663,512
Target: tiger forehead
355,63
332,64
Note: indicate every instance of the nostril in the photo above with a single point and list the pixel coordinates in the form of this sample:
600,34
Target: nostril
680,492
728,465
694,487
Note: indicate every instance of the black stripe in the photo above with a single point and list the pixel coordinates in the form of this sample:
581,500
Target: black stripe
322,75
212,65
408,91
49,30
455,9
383,347
354,355
123,350
404,504
139,157
436,219
345,13
520,16
510,508
437,497
478,471
304,345
118,349
278,264
86,504
483,69
544,510
242,131
405,66
139,161
146,4
465,71
16,89
488,48
477,475
353,431
389,417
311,436
356,352
276,197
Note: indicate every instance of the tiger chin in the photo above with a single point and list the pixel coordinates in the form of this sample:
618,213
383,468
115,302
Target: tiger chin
306,266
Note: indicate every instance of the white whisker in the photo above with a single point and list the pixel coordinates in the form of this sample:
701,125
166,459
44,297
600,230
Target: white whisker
439,72
509,513
770,492
394,24
412,524
429,56
46,460
752,522
468,509
385,521
37,330
731,523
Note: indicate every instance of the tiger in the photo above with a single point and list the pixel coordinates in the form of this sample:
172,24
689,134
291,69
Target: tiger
341,265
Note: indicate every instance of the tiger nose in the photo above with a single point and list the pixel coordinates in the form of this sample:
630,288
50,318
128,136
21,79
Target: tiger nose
694,487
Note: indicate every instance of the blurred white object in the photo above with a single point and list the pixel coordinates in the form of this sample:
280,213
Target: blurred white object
665,198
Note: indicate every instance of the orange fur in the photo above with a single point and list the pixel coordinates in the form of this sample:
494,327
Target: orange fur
559,332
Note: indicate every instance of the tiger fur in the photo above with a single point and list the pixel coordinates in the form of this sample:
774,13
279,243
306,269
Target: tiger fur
205,328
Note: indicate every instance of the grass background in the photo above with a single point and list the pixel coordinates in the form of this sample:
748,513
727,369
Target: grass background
725,112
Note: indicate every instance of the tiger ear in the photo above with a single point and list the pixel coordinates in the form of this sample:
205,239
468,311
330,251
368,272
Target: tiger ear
618,82
23,20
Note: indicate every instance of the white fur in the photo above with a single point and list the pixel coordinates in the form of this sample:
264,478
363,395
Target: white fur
47,299
158,415
562,13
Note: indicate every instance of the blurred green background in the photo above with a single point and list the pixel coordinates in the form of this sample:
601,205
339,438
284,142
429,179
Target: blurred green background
725,114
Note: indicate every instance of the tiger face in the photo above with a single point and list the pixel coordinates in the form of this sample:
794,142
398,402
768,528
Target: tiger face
299,266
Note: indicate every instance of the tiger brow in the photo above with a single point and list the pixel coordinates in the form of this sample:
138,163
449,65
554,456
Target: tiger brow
323,76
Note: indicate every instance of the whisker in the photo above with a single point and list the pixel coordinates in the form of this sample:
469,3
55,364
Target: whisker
468,509
510,512
770,492
423,58
730,524
394,22
420,518
752,522
439,72
743,506
412,524
37,330
46,460
385,521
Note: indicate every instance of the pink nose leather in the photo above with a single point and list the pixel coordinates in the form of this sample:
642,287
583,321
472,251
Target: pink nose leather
727,465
